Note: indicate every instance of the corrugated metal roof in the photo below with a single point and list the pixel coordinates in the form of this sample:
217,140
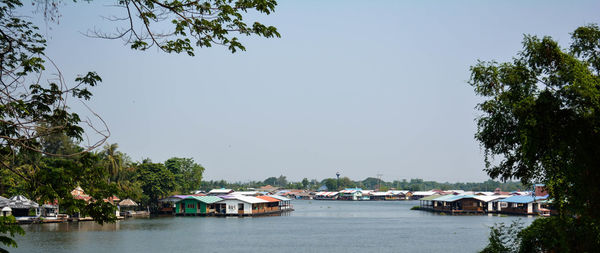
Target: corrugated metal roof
489,198
326,193
279,197
396,192
219,191
432,197
247,199
380,193
443,197
522,199
458,197
428,193
247,193
206,199
267,198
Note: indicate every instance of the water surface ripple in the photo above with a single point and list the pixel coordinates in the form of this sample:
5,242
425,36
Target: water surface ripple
315,226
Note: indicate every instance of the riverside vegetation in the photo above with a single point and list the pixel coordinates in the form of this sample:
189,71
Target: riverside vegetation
540,122
34,115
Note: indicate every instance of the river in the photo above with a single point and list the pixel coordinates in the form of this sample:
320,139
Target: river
315,226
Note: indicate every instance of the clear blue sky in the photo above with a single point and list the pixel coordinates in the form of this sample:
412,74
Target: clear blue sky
360,87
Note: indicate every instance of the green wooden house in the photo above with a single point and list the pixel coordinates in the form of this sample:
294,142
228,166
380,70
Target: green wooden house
195,205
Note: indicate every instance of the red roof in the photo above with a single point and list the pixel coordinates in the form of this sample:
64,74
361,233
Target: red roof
267,198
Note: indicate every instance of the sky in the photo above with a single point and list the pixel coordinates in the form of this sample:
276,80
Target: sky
363,88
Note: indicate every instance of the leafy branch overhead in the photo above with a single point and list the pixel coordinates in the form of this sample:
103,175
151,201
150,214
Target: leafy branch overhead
179,26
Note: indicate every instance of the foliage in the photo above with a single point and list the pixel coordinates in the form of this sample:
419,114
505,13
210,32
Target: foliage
331,183
305,183
39,135
188,174
188,24
280,181
540,123
504,238
8,230
561,234
156,182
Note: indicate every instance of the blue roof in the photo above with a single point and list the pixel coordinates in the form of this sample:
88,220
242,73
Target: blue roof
452,198
353,189
444,197
522,199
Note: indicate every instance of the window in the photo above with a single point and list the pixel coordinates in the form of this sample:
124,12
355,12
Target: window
241,207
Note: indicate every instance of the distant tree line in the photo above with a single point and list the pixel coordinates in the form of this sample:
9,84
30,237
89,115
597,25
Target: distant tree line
368,183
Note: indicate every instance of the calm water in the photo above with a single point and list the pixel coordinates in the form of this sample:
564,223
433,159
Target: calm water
315,226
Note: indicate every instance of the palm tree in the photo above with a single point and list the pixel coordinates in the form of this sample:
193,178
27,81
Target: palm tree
113,160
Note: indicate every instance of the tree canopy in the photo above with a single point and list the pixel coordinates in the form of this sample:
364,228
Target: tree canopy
41,150
540,122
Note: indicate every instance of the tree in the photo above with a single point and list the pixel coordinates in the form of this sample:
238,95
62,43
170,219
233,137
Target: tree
281,181
156,182
188,174
113,160
32,110
270,181
540,123
331,184
192,23
305,183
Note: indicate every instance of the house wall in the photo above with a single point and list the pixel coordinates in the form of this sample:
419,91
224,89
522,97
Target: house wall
247,208
202,208
231,206
190,206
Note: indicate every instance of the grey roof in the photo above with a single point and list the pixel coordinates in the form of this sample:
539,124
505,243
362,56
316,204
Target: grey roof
18,202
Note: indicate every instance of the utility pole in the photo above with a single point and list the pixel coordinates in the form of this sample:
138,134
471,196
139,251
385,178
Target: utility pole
379,182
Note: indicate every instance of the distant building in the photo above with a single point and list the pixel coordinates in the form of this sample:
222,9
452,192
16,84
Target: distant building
222,191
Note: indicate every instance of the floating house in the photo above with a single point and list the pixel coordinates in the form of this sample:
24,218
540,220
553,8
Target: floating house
284,203
378,195
398,195
460,203
350,194
422,194
518,204
272,204
222,191
326,195
241,205
197,205
427,202
167,205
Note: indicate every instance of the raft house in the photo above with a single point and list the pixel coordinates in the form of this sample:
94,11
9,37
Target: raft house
233,204
480,203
